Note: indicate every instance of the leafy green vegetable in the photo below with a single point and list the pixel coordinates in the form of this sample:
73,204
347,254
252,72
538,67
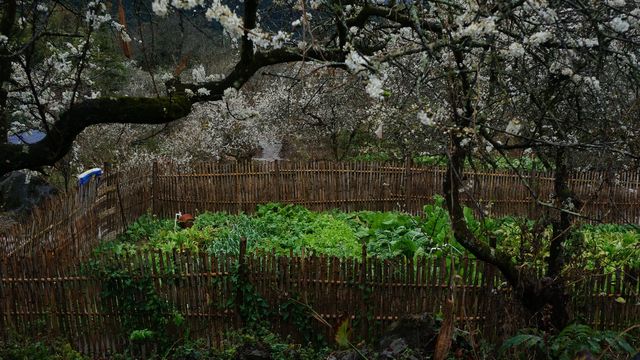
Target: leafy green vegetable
293,229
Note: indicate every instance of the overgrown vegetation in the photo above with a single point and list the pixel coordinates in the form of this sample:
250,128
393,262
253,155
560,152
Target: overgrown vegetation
22,348
146,317
570,343
576,341
152,324
292,229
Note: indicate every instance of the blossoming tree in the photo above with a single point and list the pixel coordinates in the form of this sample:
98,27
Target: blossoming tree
486,77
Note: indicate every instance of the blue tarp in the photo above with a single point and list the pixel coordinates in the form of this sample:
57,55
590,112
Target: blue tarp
86,176
27,137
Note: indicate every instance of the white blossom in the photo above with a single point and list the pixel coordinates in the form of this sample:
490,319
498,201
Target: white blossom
259,39
204,91
592,82
516,50
540,37
616,3
619,25
97,14
355,62
478,28
231,23
198,74
315,4
186,4
160,7
166,76
425,119
488,147
374,87
513,127
566,72
278,40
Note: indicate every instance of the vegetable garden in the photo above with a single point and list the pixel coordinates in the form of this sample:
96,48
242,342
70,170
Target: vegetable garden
295,230
118,271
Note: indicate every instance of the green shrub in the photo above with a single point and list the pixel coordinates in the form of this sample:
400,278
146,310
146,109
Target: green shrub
19,348
285,229
569,342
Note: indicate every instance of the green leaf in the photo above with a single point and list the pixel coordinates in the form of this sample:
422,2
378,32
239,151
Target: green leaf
526,340
343,334
139,335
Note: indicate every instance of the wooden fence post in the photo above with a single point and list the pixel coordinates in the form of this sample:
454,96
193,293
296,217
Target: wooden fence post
154,191
3,298
278,184
364,294
242,279
236,176
122,215
407,184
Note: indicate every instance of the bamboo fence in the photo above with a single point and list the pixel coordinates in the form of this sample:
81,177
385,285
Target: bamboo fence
373,293
69,226
42,287
72,224
235,187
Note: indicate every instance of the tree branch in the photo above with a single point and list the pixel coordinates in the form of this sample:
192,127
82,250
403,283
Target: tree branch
63,132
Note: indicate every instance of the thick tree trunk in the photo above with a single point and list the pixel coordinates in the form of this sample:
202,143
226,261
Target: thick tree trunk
545,299
561,230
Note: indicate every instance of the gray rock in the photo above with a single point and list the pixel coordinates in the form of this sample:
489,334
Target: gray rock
257,354
256,351
395,349
344,355
416,332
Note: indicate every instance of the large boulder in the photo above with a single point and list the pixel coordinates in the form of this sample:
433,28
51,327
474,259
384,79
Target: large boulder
416,332
255,351
351,355
414,337
21,191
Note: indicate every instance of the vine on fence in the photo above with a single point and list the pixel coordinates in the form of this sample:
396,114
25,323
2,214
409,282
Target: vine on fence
146,317
254,311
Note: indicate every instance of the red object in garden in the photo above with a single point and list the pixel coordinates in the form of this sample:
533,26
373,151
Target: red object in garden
185,221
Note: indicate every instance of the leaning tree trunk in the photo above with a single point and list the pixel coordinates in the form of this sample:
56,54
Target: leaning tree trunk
544,298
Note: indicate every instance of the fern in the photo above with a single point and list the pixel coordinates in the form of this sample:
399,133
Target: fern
571,340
